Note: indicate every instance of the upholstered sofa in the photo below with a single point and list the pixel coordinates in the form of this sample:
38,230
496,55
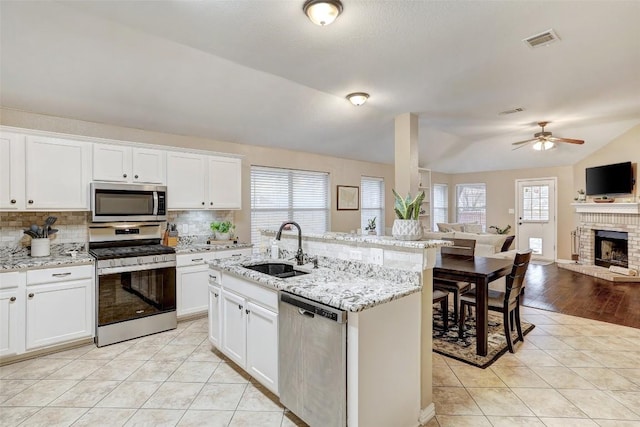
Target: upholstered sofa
486,244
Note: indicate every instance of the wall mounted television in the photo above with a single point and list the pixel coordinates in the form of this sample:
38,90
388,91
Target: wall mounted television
610,179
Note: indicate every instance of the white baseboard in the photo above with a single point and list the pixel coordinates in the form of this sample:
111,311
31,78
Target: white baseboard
426,414
565,261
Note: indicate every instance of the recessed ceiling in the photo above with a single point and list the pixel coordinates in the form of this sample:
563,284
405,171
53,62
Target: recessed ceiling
259,72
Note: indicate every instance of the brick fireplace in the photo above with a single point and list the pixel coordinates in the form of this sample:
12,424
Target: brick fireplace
619,225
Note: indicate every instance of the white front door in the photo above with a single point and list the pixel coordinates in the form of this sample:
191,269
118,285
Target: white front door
536,217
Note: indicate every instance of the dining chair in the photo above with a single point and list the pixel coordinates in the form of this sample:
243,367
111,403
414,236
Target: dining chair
443,298
461,247
507,302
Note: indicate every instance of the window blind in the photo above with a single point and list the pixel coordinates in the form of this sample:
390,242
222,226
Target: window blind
279,195
471,204
440,204
372,202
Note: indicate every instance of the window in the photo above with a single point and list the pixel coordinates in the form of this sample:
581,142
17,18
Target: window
471,204
440,204
372,202
535,203
279,195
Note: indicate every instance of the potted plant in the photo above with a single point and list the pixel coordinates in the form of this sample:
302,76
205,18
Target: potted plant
371,225
582,197
407,226
500,230
222,230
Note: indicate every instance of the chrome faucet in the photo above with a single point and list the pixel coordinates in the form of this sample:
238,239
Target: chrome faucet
299,255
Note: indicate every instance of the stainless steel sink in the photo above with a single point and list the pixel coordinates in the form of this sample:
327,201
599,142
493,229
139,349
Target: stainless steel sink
276,269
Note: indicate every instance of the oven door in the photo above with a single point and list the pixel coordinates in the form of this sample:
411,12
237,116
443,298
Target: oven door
125,202
128,295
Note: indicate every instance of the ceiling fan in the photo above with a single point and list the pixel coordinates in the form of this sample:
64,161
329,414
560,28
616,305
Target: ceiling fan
544,141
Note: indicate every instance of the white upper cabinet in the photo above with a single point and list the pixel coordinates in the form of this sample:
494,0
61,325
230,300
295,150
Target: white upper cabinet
196,181
11,171
225,183
119,163
186,178
57,174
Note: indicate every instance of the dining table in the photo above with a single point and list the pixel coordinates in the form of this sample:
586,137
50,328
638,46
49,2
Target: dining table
480,271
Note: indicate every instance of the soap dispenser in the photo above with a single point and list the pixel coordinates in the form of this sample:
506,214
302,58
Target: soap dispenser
275,251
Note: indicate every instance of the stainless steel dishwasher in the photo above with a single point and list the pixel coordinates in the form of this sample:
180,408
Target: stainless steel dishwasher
313,361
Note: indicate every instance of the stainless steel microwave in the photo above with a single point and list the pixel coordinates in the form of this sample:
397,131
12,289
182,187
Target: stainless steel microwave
128,202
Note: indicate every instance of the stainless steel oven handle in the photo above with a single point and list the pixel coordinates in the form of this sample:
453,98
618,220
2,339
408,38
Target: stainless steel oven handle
113,270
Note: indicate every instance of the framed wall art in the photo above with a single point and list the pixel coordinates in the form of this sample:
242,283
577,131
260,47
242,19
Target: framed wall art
348,198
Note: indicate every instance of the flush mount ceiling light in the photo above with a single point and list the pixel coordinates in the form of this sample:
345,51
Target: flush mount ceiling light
543,145
322,12
358,98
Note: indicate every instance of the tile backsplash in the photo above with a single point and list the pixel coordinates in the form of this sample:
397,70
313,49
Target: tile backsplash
72,226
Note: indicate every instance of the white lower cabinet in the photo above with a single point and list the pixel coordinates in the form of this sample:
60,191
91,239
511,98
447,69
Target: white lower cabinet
59,305
192,279
233,327
262,345
214,314
40,308
248,327
12,313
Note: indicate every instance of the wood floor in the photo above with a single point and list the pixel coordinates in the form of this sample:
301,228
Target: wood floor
555,289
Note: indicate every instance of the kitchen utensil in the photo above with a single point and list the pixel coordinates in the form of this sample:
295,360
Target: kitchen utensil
52,231
36,230
30,233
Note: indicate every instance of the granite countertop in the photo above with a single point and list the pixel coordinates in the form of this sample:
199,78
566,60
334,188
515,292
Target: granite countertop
23,261
189,248
366,239
351,287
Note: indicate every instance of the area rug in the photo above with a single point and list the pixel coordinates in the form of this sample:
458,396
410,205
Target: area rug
464,350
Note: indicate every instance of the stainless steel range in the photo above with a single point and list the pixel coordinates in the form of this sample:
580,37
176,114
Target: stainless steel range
136,281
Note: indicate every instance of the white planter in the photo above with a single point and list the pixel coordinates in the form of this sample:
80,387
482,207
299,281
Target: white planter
222,236
40,247
407,229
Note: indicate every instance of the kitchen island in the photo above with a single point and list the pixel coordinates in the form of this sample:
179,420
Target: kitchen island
388,318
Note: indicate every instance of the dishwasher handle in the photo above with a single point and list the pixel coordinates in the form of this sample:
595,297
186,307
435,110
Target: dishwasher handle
311,308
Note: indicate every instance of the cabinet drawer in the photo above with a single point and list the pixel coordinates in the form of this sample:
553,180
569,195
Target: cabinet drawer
184,260
12,279
234,253
60,274
259,294
215,277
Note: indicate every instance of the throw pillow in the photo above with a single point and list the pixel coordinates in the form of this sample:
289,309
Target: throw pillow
473,228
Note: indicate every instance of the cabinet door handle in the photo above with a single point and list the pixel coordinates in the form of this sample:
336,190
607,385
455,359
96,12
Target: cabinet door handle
30,202
61,274
213,277
236,255
13,201
196,259
247,311
124,175
31,295
135,176
202,203
12,299
239,307
215,294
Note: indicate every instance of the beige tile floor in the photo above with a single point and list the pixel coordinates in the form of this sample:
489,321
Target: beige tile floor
568,372
167,379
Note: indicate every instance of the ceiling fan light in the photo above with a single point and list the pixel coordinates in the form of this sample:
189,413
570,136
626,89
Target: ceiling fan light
358,98
543,145
322,12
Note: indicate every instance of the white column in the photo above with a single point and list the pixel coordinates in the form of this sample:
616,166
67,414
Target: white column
406,154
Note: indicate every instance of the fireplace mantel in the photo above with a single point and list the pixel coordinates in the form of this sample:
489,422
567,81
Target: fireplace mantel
612,208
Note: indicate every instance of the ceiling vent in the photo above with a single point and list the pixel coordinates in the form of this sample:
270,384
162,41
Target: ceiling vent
513,111
542,39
